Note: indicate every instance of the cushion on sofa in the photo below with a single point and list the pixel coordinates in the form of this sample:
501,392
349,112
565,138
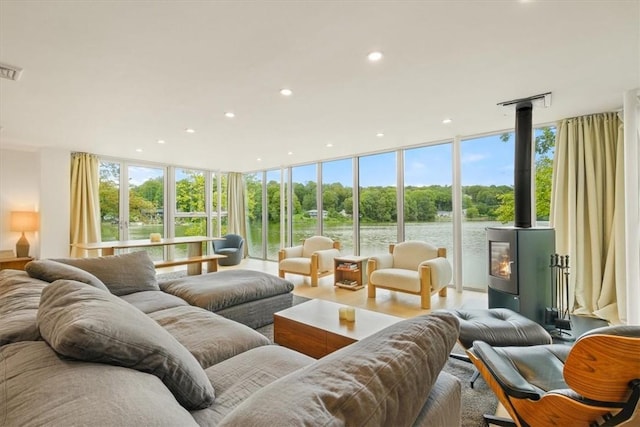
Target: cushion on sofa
382,380
50,271
150,301
237,378
19,300
88,324
122,274
209,337
42,389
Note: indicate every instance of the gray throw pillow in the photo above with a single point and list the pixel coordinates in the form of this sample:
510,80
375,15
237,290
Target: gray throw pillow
84,323
122,274
50,271
382,380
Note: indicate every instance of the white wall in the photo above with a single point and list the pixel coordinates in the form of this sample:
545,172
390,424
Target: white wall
36,181
55,203
19,191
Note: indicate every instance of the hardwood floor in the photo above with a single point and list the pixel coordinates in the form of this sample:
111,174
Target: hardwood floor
389,302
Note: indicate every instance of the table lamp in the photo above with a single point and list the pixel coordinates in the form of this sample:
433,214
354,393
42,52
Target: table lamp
24,221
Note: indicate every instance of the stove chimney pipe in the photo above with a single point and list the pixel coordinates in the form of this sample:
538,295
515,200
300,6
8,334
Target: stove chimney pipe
522,165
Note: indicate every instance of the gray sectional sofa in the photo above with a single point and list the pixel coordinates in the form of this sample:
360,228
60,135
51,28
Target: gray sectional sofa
114,350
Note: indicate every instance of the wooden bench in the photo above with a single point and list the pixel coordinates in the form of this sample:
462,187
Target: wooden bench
194,263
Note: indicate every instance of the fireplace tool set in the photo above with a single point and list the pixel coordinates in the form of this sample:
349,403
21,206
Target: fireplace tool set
558,315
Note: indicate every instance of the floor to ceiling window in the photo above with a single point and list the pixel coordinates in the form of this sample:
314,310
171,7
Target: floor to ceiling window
337,202
219,214
253,187
197,197
276,204
545,142
304,199
190,217
487,166
146,205
110,219
428,211
134,214
377,203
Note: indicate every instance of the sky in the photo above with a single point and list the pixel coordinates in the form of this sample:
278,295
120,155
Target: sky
484,161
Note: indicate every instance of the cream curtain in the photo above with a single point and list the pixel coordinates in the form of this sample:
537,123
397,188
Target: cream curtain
85,202
235,200
587,212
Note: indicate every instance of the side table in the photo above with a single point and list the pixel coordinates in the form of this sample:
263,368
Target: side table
349,272
14,263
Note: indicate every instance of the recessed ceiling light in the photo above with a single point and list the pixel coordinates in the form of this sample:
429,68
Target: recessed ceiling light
290,153
189,130
161,141
259,159
286,92
329,144
229,115
139,150
447,121
379,134
374,56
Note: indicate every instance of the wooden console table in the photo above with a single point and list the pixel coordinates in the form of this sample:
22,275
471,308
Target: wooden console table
14,263
194,259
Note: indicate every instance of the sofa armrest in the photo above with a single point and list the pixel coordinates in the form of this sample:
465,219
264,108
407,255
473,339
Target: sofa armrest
325,258
441,272
292,252
382,261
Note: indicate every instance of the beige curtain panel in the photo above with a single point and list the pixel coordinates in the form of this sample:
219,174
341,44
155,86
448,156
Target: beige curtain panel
85,202
236,208
587,212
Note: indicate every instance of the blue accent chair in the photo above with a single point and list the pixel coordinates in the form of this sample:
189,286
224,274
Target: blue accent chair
232,246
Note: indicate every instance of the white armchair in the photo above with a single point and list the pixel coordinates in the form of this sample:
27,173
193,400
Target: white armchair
313,258
413,267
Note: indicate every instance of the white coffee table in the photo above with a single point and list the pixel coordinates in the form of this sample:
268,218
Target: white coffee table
314,327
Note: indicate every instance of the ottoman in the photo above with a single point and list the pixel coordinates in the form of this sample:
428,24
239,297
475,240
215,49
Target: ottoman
498,327
246,296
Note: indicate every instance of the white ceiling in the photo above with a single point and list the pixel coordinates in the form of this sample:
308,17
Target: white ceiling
110,77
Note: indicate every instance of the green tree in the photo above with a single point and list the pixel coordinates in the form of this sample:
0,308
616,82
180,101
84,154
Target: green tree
190,193
109,201
109,191
544,172
544,147
273,201
253,188
151,190
472,212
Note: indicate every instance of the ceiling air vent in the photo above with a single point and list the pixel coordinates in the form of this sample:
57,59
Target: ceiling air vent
9,72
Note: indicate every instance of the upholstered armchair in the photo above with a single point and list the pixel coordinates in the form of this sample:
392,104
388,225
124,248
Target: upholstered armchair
232,247
413,267
313,258
595,382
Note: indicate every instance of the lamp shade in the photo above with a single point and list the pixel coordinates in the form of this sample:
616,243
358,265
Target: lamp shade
24,221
